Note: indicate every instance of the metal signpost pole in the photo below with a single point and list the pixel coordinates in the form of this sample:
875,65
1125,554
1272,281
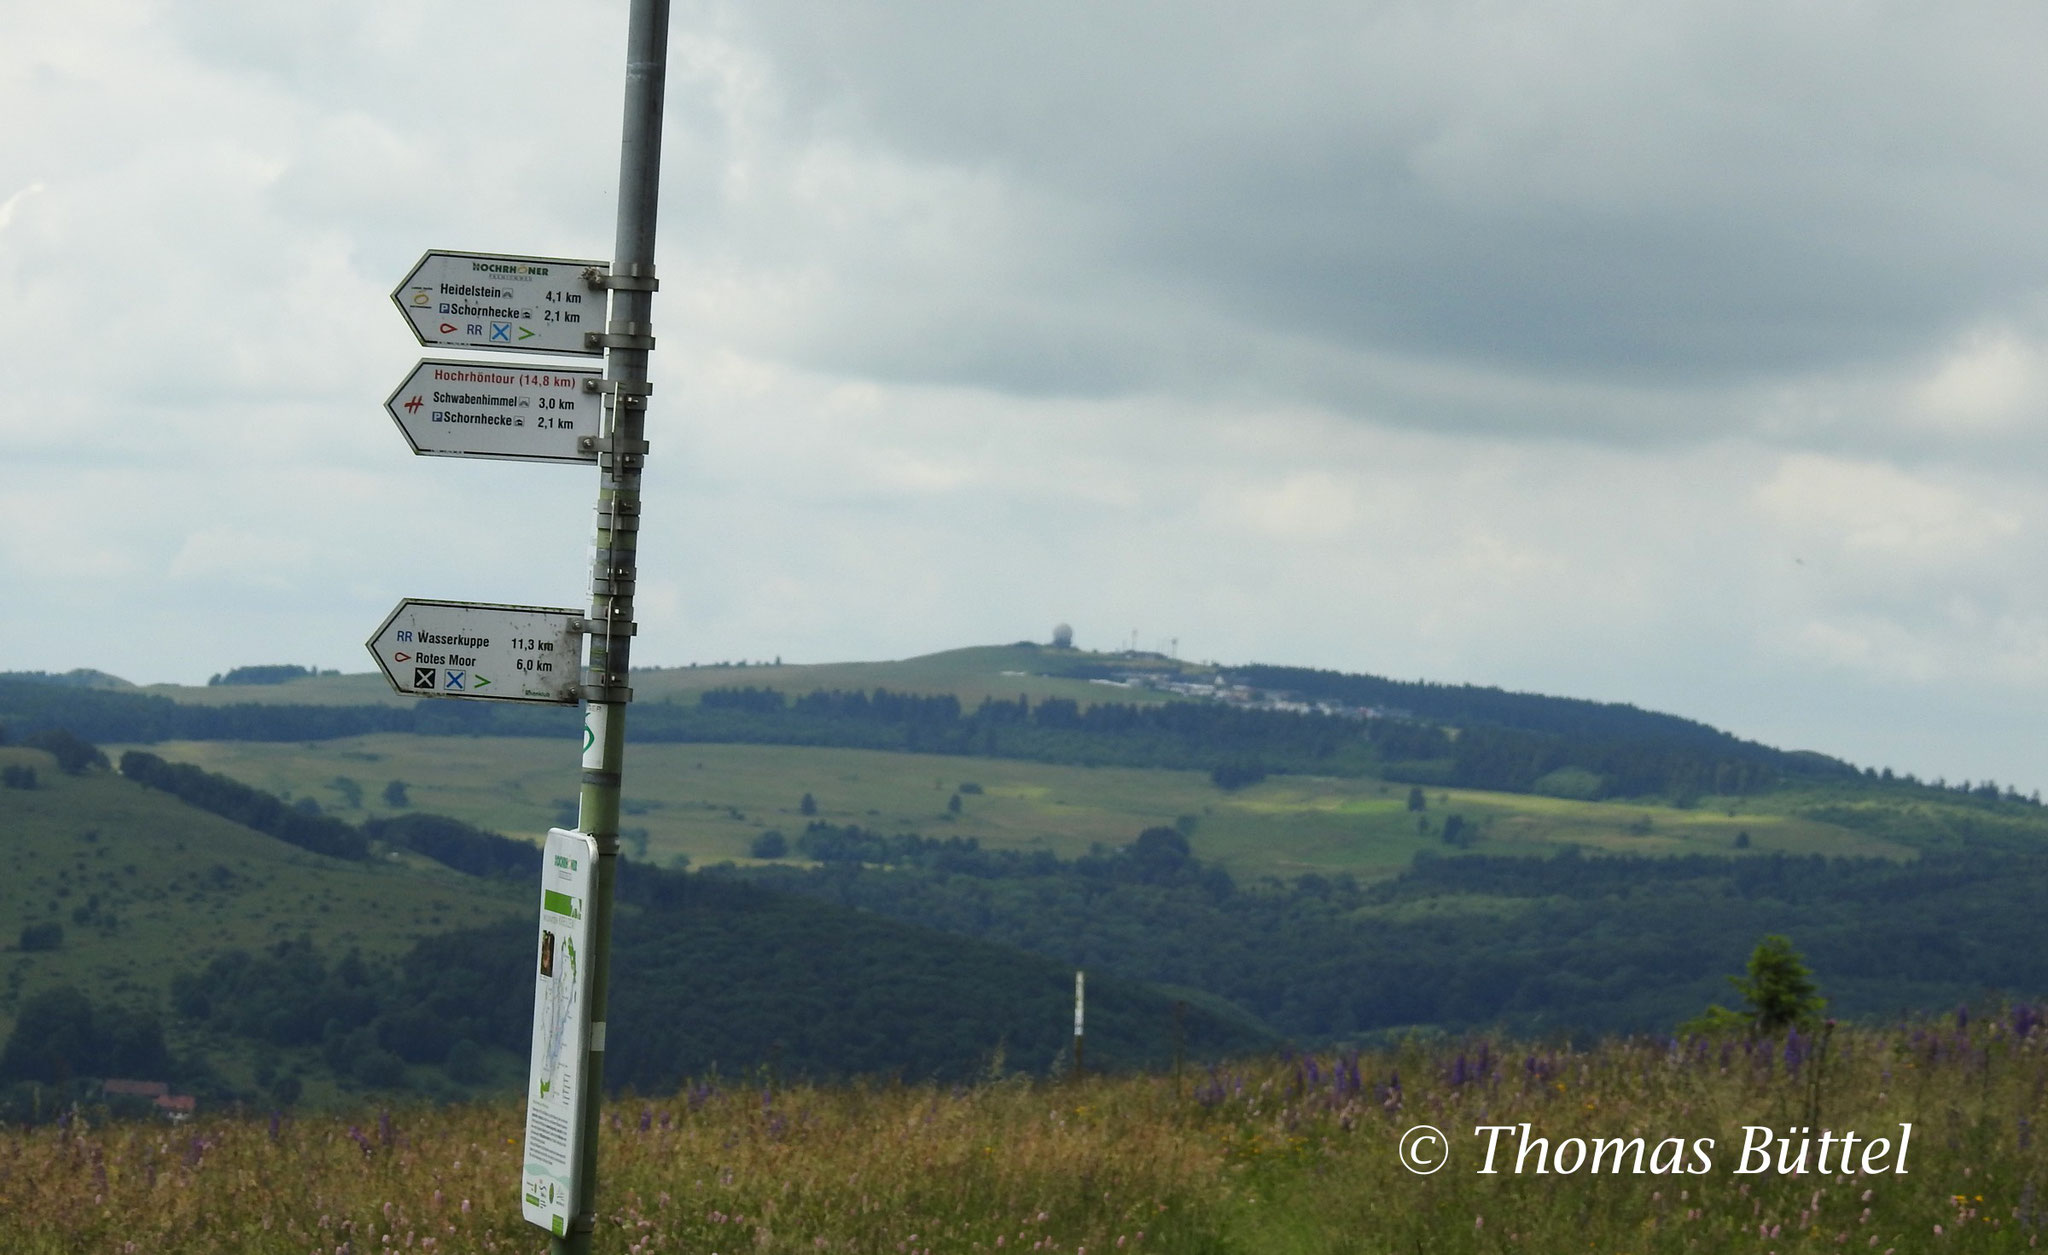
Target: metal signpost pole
627,338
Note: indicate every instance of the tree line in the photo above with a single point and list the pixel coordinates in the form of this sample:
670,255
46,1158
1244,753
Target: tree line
1571,943
250,807
462,846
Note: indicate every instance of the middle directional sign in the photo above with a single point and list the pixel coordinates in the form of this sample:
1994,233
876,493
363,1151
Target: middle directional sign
495,410
492,301
476,650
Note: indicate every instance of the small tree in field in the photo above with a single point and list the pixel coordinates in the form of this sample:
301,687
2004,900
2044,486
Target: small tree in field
1778,990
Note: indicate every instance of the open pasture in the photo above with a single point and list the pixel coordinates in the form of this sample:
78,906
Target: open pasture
707,803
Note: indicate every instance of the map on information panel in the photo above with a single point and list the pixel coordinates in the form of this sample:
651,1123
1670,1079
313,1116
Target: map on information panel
550,1181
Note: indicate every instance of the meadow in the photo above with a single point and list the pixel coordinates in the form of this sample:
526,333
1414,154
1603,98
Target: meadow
707,803
144,886
1293,1154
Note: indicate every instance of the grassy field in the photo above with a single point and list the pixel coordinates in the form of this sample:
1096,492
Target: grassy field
1298,1156
708,802
145,886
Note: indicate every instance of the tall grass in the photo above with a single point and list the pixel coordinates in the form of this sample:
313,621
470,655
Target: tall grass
1282,1155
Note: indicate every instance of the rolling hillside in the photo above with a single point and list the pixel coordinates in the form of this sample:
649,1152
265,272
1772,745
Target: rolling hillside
1340,865
143,886
245,948
708,803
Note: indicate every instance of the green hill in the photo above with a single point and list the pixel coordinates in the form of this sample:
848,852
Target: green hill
143,886
298,976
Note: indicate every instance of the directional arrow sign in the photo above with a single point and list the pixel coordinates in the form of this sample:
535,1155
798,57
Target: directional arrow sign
469,649
491,301
492,410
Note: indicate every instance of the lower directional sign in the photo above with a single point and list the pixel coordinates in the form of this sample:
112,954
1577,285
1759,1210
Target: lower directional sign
489,652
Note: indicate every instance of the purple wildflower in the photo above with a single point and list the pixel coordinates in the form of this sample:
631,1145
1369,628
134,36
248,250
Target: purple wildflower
1348,1075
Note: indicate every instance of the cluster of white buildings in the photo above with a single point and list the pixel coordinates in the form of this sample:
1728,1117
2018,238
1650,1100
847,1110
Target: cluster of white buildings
1221,688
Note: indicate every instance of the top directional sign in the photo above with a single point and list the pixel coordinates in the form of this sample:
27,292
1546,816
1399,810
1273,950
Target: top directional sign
492,301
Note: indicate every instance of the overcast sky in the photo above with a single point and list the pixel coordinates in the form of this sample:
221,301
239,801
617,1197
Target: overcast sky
1690,355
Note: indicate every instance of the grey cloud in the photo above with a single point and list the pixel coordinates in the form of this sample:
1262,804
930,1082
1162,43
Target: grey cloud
1689,197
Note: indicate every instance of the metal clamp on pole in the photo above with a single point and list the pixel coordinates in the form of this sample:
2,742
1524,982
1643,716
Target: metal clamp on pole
611,580
634,276
621,333
614,443
625,387
605,627
631,393
604,686
619,517
618,451
597,278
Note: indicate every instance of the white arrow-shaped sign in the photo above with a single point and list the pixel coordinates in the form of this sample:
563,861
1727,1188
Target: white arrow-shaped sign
475,650
498,410
492,301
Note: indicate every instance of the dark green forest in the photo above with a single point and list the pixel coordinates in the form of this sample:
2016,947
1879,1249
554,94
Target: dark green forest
709,976
1571,943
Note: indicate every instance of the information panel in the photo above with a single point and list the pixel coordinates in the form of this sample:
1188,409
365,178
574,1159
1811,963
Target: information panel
481,651
551,1180
494,301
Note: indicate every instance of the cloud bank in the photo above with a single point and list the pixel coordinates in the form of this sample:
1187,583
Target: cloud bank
1690,356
